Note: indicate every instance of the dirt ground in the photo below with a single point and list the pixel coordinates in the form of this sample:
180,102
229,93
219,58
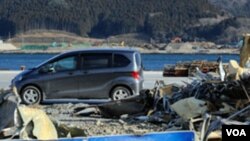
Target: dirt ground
96,125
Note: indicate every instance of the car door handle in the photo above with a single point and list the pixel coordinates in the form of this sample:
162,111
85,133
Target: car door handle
85,72
70,73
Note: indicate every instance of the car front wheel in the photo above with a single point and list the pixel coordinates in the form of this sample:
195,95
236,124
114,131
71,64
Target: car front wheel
120,93
31,95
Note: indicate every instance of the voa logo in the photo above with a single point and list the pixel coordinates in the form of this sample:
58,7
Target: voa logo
236,132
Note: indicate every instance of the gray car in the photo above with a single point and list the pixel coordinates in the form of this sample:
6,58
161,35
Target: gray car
82,75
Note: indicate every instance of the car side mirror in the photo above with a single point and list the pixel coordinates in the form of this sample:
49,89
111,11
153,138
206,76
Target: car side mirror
47,69
43,70
51,69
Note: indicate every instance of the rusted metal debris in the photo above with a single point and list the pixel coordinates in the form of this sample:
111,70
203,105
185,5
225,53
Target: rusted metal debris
189,68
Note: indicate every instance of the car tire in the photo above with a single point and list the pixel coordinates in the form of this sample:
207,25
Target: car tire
31,95
120,92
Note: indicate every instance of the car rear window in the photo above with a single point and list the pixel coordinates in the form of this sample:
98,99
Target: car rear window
121,60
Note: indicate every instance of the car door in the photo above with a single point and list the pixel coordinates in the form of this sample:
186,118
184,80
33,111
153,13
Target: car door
96,75
61,79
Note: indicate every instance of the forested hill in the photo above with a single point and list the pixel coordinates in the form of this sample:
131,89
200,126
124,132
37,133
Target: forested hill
101,18
159,19
239,8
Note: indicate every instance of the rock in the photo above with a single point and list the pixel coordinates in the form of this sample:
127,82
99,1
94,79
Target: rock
8,105
189,108
36,124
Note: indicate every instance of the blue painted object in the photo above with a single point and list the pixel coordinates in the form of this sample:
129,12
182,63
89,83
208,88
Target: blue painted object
159,136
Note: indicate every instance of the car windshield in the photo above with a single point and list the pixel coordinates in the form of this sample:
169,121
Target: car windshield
43,63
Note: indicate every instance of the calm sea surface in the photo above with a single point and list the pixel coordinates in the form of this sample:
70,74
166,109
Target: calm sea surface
150,61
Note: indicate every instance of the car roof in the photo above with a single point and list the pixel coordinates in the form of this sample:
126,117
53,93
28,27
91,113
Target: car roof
92,50
102,50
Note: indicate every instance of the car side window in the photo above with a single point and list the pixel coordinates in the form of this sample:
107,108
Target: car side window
64,64
96,60
120,60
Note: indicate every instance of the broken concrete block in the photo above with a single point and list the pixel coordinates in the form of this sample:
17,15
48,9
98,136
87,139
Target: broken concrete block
234,70
8,132
215,136
8,104
226,108
86,111
36,124
168,90
134,105
245,51
66,131
189,108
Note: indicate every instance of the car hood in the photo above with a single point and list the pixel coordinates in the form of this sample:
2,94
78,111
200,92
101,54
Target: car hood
24,73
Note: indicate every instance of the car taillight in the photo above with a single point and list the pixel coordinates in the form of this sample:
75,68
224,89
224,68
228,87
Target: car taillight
135,75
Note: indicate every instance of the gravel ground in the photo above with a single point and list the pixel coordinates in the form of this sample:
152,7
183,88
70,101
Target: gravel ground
93,126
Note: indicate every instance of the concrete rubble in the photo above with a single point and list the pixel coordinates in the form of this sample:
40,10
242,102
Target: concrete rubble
200,106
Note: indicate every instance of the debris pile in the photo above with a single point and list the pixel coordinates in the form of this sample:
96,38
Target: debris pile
59,121
30,122
188,68
202,106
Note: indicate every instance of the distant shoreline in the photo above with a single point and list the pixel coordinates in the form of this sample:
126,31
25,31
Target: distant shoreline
151,61
142,51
